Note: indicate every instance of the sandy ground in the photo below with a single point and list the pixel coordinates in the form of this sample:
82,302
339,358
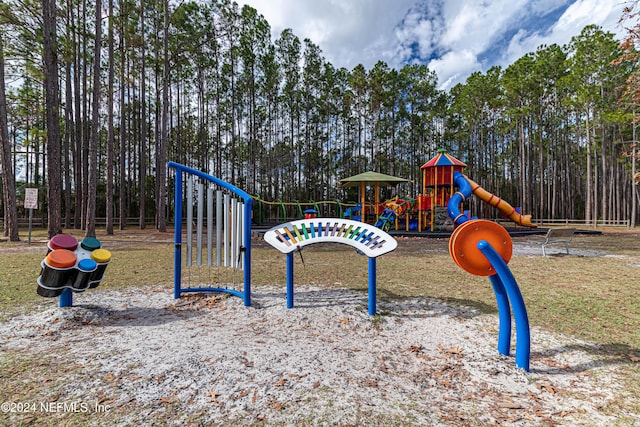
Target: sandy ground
208,360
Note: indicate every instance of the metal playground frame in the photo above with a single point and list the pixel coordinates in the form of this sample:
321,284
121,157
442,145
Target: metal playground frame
232,216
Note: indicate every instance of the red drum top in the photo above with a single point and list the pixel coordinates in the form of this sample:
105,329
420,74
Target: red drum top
63,241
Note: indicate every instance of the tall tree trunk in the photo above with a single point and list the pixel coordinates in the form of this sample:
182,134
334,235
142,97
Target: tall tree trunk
161,165
594,187
68,134
86,133
52,104
110,130
634,146
95,123
8,178
603,160
143,126
544,207
523,168
79,131
122,199
68,144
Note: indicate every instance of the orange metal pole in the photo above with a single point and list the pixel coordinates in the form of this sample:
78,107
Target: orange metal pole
362,216
376,197
451,185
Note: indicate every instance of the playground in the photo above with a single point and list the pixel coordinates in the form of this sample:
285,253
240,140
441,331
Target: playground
324,320
133,354
422,214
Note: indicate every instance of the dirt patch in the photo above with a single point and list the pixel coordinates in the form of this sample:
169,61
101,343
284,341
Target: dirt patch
206,359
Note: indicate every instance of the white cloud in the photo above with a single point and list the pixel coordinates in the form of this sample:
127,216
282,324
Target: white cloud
455,37
585,12
519,45
604,13
475,24
454,66
420,32
349,32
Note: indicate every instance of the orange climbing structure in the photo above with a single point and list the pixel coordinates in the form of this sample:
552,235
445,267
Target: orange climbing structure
438,186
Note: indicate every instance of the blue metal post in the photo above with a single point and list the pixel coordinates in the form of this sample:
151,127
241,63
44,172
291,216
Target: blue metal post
290,280
521,320
504,315
372,286
247,251
177,236
66,298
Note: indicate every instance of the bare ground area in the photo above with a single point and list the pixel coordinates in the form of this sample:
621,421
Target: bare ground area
139,357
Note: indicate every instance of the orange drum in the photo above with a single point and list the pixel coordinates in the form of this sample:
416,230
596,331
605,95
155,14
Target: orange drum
57,270
463,245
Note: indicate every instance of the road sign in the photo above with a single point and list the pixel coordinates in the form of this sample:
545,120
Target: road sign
31,198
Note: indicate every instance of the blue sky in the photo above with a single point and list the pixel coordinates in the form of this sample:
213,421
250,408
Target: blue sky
453,37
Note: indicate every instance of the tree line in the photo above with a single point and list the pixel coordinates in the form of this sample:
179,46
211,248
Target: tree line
96,97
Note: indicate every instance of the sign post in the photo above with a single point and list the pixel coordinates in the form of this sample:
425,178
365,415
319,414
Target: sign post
31,203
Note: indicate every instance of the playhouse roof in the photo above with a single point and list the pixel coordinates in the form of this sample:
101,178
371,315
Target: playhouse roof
371,178
443,159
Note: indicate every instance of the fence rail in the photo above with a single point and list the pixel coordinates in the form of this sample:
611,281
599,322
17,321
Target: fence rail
598,223
100,222
135,221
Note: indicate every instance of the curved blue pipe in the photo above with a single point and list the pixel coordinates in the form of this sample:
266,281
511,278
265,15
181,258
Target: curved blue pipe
504,315
523,338
464,191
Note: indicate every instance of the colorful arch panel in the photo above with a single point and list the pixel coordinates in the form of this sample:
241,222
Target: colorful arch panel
295,235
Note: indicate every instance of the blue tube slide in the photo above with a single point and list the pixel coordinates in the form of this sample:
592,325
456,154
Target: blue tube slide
464,191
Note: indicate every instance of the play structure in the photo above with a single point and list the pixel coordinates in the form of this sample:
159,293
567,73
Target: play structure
366,239
426,211
228,213
484,248
71,266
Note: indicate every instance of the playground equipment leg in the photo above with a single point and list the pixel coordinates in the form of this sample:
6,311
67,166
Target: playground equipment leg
290,280
66,298
246,250
177,238
504,315
372,286
521,320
